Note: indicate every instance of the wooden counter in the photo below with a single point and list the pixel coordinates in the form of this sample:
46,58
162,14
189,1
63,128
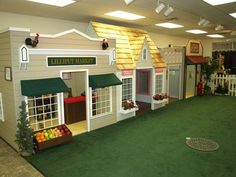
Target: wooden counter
75,109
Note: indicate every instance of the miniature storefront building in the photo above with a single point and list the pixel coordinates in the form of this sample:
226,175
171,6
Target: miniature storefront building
139,66
60,62
175,60
194,59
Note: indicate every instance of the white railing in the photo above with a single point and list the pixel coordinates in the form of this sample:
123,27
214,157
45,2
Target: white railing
228,80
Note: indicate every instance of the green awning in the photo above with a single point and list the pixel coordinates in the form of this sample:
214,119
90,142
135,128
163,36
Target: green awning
39,87
103,80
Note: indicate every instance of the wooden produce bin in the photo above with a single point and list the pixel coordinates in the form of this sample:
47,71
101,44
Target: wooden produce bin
66,138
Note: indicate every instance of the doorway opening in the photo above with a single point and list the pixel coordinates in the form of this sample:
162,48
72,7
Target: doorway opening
143,90
174,83
190,81
75,101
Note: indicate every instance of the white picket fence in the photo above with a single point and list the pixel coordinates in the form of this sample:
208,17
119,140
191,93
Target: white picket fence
229,79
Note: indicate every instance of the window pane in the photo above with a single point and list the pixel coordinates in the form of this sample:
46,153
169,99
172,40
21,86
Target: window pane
101,101
159,83
43,111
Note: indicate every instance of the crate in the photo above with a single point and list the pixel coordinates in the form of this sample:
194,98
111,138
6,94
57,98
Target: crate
52,142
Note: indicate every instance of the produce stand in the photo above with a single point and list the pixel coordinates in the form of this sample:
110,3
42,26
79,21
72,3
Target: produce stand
64,138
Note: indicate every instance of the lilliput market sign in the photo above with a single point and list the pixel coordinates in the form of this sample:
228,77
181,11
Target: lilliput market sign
66,61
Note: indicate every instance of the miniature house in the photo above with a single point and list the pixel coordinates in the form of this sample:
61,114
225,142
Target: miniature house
139,66
194,59
70,78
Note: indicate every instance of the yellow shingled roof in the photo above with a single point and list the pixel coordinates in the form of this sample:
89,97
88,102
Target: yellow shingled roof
129,43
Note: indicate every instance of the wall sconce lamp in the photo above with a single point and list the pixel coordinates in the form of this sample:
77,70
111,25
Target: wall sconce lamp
169,10
160,7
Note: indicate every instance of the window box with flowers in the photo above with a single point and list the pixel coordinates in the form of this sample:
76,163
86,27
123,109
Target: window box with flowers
160,98
128,106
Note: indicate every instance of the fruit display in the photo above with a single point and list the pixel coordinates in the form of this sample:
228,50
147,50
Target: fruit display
52,136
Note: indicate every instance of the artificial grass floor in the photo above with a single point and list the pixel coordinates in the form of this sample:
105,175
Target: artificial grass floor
152,145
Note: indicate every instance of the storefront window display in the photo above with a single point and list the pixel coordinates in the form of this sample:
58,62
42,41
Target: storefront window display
43,111
101,101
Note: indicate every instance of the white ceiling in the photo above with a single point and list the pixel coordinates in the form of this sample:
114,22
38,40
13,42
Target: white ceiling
186,13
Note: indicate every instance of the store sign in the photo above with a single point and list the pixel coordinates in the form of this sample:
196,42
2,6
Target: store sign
127,72
159,70
67,61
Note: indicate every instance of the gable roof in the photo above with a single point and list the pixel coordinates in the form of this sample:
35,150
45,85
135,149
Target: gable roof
129,43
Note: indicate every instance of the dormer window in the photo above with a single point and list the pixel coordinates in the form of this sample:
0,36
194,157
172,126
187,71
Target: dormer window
144,54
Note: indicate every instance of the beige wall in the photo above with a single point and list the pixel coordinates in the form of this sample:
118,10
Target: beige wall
8,127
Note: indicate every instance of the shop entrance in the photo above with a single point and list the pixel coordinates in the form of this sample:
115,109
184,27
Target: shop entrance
143,90
75,113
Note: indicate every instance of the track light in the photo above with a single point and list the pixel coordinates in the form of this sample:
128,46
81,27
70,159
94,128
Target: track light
168,11
128,1
160,7
206,23
202,21
219,27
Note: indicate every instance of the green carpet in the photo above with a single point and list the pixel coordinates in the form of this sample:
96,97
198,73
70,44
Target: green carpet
152,144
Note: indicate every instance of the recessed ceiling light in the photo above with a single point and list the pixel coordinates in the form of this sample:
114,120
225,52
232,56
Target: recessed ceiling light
59,3
233,14
196,31
215,36
124,15
218,2
169,25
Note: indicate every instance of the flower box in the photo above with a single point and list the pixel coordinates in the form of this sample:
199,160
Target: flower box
65,137
127,111
165,101
128,106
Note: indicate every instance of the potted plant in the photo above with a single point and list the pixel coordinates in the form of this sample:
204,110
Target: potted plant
24,134
208,69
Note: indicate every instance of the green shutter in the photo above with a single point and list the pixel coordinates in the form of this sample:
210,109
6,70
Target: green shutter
103,80
39,87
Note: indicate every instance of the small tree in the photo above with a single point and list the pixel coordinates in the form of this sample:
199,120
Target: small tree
24,134
208,69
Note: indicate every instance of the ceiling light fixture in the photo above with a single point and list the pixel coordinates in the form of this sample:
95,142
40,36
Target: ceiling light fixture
169,25
196,31
124,15
215,36
169,10
58,3
219,27
127,2
233,14
218,2
160,7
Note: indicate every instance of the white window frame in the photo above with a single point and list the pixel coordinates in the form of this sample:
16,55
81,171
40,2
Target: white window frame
97,103
144,54
131,88
56,111
1,109
162,84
